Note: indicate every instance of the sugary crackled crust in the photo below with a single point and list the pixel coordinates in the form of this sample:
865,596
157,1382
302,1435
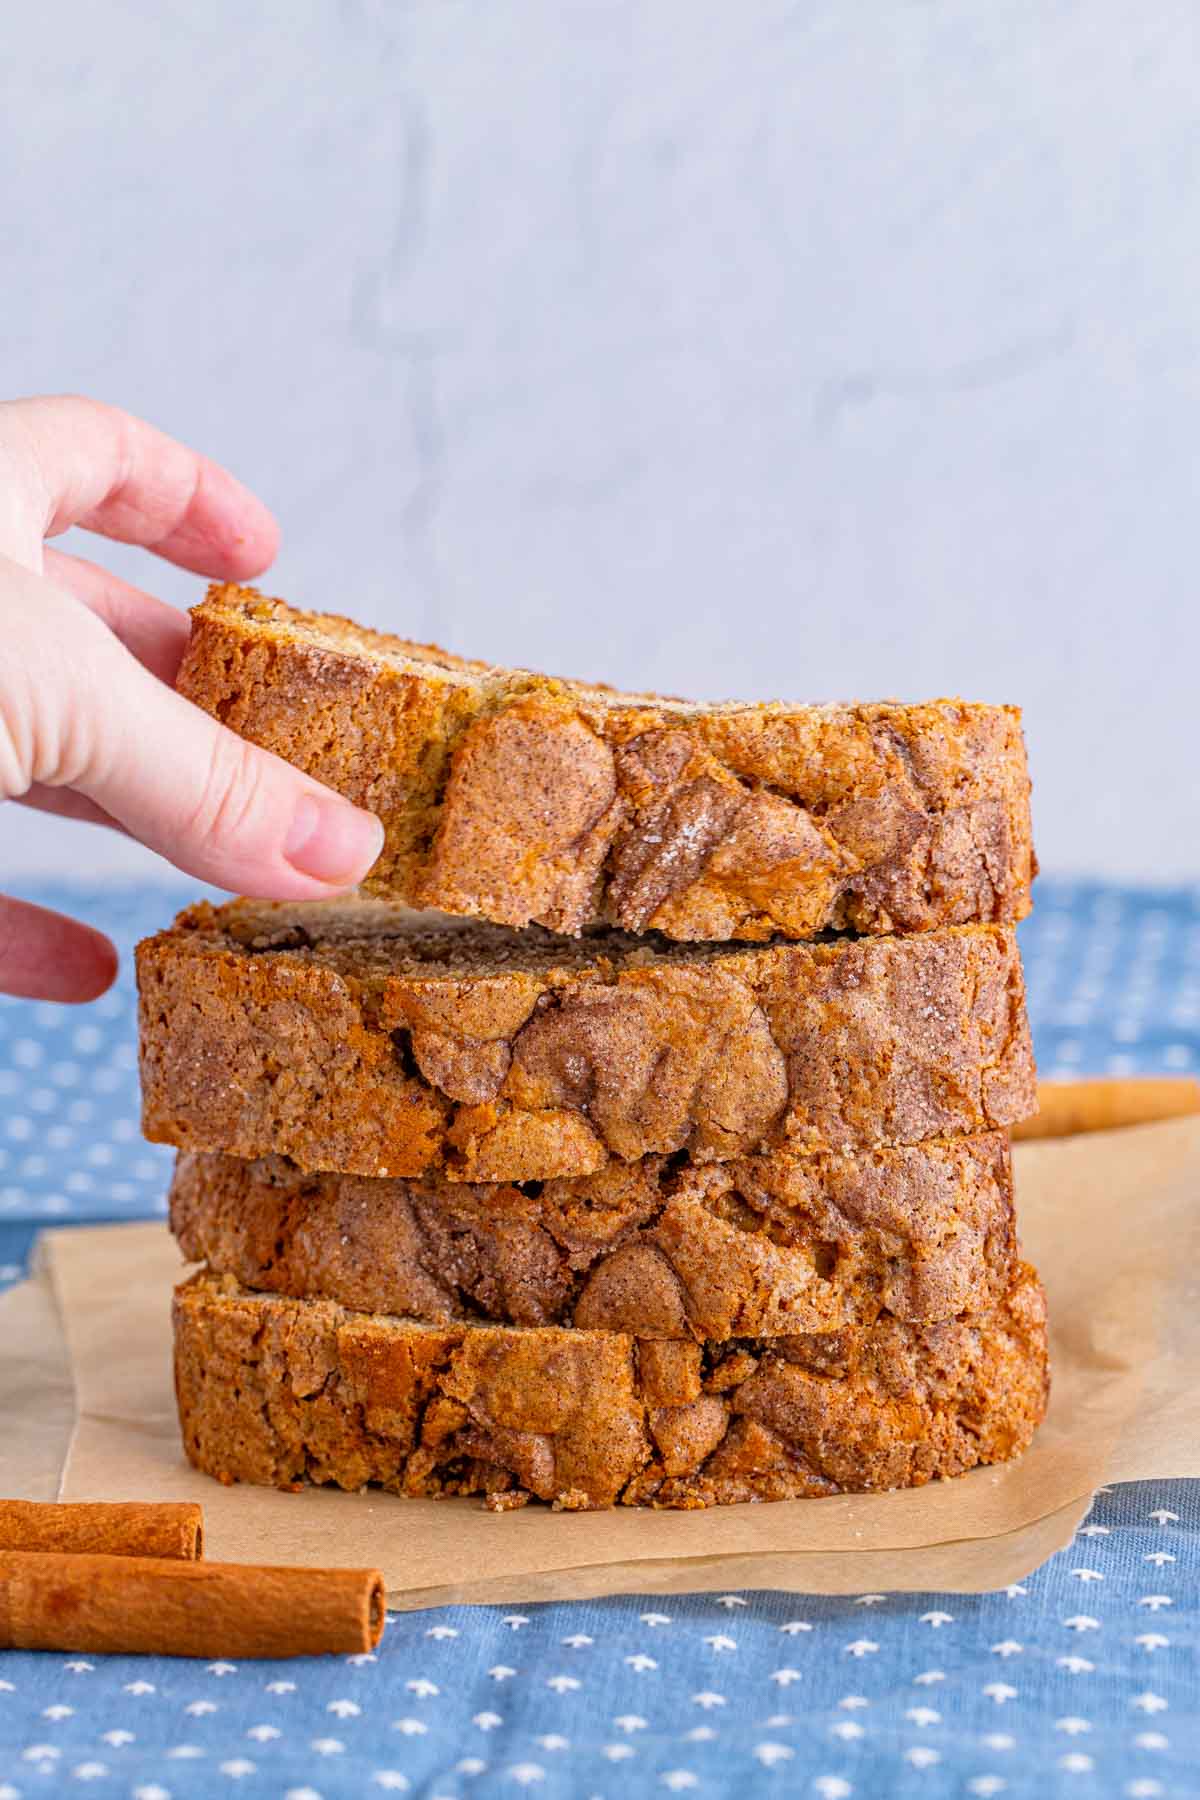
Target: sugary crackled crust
762,1247
517,798
277,1391
355,1038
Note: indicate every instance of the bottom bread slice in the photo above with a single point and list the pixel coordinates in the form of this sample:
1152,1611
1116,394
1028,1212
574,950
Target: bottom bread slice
277,1391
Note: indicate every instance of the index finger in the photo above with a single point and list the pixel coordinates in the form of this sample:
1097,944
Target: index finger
70,461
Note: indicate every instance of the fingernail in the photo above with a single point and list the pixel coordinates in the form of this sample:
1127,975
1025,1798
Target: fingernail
332,841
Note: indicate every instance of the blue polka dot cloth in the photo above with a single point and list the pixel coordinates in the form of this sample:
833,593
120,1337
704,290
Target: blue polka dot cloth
1082,1680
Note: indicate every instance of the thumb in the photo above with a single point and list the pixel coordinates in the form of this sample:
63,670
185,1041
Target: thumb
217,806
78,711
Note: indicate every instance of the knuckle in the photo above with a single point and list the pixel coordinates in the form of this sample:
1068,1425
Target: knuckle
232,797
17,744
47,730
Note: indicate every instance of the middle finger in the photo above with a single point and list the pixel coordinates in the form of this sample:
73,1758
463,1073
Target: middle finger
154,632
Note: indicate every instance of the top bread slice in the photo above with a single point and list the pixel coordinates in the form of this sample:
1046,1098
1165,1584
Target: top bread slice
513,797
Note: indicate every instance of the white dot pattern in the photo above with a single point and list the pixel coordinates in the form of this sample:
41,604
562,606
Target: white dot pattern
1082,1679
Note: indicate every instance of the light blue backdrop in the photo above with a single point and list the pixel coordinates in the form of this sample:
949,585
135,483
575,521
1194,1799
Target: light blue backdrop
730,349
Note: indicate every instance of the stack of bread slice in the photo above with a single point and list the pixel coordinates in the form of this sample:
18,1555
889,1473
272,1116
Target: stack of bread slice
640,1133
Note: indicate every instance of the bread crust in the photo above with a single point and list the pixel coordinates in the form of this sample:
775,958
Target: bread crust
279,1391
352,1038
764,1246
514,797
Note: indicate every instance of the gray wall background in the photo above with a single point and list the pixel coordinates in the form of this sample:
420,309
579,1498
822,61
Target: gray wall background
758,349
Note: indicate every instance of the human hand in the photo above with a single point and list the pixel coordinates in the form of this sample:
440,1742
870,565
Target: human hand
90,726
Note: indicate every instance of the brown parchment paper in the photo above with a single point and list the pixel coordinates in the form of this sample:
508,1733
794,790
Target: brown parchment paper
37,1391
1111,1219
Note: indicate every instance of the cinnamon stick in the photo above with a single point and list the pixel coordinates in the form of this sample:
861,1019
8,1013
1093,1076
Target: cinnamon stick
141,1605
1068,1107
134,1528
